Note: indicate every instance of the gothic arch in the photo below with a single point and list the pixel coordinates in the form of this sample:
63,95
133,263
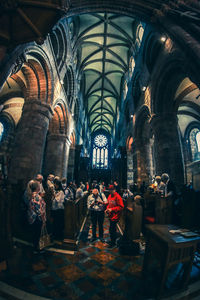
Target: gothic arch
152,48
59,43
142,128
38,70
73,139
59,124
69,85
166,82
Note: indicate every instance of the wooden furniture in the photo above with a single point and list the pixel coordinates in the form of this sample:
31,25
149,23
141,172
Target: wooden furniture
164,251
75,213
131,220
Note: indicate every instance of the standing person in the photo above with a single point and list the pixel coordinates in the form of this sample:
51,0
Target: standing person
113,210
58,210
36,213
117,187
102,187
87,186
79,192
69,194
170,190
96,204
39,178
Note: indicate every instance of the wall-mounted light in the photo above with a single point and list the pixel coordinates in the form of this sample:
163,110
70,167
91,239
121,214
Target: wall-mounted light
144,88
61,82
163,39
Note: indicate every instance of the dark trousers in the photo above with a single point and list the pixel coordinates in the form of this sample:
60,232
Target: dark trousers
97,217
58,223
36,232
113,231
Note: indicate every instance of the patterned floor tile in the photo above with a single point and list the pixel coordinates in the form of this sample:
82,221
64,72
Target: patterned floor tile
70,274
95,272
103,257
105,274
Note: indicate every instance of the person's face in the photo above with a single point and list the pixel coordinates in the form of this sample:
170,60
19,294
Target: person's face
112,192
95,192
39,178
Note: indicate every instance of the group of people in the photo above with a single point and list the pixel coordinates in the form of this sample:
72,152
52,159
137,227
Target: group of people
98,206
44,204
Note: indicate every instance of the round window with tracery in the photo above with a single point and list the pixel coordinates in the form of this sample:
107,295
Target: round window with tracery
100,140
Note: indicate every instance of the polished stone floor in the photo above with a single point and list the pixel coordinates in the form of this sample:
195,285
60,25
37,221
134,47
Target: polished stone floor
94,272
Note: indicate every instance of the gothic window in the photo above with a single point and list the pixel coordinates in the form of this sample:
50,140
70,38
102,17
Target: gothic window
194,139
100,152
1,131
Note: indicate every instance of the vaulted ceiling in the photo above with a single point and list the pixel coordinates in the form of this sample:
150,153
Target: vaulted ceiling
104,45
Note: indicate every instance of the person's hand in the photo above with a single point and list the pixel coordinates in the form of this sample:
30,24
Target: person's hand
108,210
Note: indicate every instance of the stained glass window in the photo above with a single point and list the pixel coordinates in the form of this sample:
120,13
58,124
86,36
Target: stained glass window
100,152
194,138
1,130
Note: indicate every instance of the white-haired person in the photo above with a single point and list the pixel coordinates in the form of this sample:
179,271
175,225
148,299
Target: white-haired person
170,189
36,213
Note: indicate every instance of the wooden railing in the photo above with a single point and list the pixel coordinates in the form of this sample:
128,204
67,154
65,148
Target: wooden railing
75,213
131,220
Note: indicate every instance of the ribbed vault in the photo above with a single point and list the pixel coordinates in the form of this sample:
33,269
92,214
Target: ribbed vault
104,43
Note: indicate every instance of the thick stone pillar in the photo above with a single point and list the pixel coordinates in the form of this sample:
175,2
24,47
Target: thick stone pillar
130,173
77,163
71,162
56,156
144,160
168,154
28,150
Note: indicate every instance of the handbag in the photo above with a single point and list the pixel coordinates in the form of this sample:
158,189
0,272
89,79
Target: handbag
45,240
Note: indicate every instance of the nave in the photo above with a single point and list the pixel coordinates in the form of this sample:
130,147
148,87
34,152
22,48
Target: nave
93,272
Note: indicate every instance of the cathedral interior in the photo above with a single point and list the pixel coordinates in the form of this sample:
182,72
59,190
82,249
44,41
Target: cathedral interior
101,91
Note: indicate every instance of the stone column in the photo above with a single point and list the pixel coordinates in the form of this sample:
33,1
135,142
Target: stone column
144,159
130,173
28,150
56,156
71,162
77,163
168,154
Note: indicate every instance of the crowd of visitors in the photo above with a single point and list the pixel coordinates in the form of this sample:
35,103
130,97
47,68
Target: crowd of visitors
45,201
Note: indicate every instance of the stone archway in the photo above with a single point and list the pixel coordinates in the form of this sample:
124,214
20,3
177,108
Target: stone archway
58,144
164,122
37,83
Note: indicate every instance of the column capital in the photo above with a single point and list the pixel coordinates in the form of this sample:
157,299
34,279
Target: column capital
169,119
59,137
38,106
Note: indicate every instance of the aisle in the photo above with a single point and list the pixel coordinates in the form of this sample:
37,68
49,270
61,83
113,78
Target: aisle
94,272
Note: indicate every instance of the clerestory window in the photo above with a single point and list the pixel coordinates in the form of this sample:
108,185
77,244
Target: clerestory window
194,138
100,152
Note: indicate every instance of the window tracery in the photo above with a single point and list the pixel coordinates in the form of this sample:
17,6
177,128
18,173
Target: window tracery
100,152
194,139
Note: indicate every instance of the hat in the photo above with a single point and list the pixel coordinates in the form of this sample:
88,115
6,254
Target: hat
111,187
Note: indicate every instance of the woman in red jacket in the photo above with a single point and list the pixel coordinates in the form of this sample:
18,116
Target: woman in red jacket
113,210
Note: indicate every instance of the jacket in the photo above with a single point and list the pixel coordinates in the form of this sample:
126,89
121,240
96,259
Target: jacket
115,202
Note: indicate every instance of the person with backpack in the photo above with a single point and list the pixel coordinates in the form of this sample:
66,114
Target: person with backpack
96,203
